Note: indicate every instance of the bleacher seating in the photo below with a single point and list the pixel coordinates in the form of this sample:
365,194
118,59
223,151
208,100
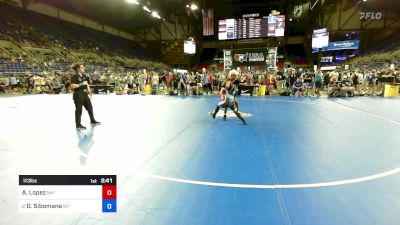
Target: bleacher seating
33,43
3,59
19,68
44,30
389,44
60,66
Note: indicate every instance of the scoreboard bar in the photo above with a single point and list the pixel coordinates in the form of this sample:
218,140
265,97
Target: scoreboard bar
67,179
67,193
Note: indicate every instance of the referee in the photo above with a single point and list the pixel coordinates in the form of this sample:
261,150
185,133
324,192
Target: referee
80,85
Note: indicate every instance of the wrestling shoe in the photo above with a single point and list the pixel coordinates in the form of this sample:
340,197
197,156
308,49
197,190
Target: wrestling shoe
80,127
95,123
224,117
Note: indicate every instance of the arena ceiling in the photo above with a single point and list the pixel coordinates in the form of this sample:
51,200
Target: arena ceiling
227,8
130,17
389,5
119,13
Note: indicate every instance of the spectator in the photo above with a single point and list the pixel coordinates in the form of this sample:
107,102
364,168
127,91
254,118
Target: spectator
170,80
371,83
130,80
163,81
206,84
346,88
198,79
319,79
272,84
308,81
13,82
292,77
298,88
212,82
182,83
155,82
142,81
193,89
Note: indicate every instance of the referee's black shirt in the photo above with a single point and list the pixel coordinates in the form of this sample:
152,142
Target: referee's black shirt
76,79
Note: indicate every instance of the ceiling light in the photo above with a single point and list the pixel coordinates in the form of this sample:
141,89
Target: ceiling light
155,14
193,7
146,9
133,2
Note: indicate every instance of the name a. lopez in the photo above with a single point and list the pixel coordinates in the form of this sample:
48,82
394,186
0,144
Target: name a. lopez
35,193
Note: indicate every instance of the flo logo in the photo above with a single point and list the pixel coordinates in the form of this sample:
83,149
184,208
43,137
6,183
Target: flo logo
370,15
241,57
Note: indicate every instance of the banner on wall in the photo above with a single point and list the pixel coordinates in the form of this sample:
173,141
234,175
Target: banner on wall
340,45
227,59
340,58
264,57
300,11
327,59
271,60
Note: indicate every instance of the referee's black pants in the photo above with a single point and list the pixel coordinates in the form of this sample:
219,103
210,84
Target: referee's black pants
82,99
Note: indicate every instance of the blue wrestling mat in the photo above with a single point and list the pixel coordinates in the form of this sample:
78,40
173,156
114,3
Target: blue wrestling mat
299,161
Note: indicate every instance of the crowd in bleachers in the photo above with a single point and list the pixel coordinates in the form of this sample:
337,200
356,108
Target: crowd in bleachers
358,81
298,82
44,31
278,82
37,51
18,74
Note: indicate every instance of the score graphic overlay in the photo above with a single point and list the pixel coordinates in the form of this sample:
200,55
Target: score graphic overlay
67,193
